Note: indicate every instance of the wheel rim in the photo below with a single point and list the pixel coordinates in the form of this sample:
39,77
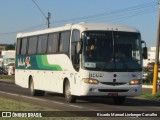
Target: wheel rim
67,91
32,87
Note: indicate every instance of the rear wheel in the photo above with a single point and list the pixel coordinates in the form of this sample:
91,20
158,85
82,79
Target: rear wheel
119,100
33,91
67,92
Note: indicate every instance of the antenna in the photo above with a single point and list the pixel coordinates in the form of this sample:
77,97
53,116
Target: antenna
46,17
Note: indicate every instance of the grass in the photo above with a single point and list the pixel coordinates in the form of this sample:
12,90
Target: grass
13,105
150,96
145,83
8,77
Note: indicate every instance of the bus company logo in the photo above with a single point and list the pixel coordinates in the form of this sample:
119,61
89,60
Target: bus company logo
28,62
24,62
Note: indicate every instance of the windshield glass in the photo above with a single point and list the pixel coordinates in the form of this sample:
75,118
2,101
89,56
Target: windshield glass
107,50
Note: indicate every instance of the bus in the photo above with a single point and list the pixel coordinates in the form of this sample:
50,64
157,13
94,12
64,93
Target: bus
84,59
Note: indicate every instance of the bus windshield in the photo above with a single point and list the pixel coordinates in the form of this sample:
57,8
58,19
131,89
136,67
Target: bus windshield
111,50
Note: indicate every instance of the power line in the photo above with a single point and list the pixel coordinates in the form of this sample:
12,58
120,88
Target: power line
136,12
121,18
46,17
39,9
146,5
25,29
113,15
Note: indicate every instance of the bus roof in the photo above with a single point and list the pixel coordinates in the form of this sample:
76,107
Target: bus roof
82,27
104,26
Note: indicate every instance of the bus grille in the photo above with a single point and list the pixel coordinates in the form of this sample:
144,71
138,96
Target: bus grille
113,90
113,83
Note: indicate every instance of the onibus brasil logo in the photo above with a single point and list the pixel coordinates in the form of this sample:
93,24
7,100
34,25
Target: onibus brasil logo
24,62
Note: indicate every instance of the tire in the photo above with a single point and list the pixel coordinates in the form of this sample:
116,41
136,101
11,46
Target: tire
33,91
119,100
41,93
67,92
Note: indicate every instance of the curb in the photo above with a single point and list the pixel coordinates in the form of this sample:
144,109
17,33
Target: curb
150,87
147,86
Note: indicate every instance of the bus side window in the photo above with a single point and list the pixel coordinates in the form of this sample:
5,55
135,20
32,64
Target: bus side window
53,43
64,42
24,46
42,44
74,55
32,45
18,49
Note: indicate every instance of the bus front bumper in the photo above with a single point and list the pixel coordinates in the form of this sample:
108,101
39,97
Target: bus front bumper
122,90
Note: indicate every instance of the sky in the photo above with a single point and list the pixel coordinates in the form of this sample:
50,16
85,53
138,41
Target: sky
24,16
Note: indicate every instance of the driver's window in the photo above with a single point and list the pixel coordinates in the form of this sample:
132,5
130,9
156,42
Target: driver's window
74,55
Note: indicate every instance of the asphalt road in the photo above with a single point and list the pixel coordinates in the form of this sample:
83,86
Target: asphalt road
57,101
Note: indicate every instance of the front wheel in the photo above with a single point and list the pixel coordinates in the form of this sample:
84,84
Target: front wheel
67,92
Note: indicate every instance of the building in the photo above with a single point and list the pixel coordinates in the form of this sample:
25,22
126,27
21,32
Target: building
2,47
8,57
9,61
151,56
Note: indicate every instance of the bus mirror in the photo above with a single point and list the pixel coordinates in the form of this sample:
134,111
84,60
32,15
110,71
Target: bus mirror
145,53
79,47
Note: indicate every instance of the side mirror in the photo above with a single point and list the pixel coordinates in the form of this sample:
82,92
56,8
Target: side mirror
79,47
145,53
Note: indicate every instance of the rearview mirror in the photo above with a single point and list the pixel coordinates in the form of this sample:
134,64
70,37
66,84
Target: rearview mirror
145,53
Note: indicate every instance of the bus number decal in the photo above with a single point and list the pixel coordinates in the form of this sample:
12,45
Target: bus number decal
96,75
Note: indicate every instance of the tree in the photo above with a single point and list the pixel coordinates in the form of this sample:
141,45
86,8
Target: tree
10,47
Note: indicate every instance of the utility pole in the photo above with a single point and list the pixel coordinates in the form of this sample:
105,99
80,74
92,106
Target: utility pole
46,17
155,77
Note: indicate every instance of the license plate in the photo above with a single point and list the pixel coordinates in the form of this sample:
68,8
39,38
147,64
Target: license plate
112,94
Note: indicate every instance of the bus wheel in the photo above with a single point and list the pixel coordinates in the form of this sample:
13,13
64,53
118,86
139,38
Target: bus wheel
119,100
67,92
33,91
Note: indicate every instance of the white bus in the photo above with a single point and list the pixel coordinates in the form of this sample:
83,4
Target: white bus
85,59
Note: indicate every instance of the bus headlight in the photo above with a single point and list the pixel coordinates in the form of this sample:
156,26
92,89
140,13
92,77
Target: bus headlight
90,81
135,82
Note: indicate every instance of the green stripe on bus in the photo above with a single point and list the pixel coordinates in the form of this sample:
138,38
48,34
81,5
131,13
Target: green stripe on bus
37,62
42,63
